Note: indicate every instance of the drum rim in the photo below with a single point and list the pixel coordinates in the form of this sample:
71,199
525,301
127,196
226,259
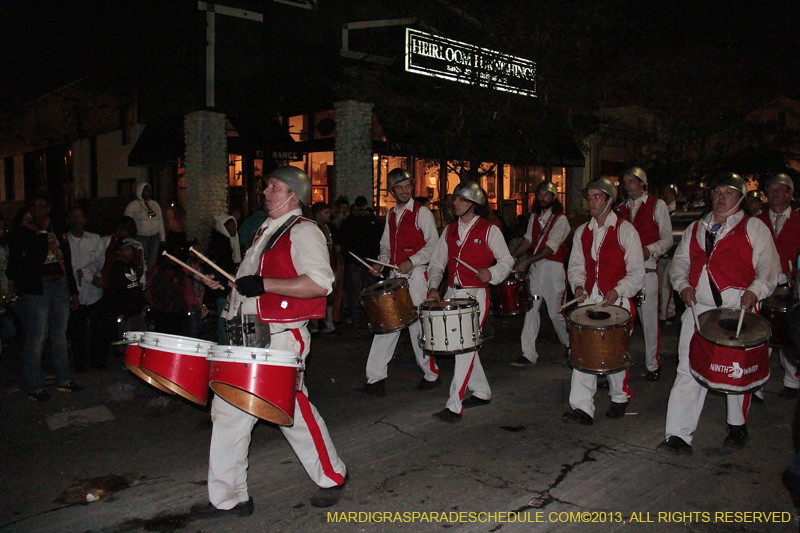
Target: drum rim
364,294
599,328
283,356
166,349
742,345
472,303
170,337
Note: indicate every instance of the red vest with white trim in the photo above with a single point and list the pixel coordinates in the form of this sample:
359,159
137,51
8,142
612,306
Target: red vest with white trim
536,233
645,221
408,239
277,263
788,241
610,266
474,251
730,265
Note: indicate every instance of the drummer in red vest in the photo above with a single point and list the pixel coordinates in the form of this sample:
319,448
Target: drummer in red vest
606,268
478,243
547,234
725,259
784,224
283,280
408,240
650,217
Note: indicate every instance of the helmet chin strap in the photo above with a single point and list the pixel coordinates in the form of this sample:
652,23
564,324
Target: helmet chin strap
284,202
729,212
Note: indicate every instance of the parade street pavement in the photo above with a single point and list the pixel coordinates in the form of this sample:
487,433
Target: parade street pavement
512,455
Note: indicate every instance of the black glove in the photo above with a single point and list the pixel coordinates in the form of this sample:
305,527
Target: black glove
250,286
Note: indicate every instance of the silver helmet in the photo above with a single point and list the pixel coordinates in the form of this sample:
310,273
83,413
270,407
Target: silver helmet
757,195
638,172
297,180
469,190
397,176
548,186
603,184
731,181
781,179
673,187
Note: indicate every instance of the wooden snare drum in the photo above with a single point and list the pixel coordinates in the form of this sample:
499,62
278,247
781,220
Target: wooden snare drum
599,340
512,296
388,306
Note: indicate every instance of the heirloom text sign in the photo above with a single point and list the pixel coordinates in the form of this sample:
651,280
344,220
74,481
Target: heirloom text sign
439,57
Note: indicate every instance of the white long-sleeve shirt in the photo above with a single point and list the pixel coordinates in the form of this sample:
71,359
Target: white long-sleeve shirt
88,254
426,224
661,216
631,244
765,261
495,242
558,233
145,225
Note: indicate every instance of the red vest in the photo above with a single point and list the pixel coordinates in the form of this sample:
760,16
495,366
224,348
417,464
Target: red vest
788,241
610,266
730,264
277,263
406,240
538,232
645,221
474,251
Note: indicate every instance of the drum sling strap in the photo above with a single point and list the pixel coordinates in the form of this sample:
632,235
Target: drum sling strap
711,239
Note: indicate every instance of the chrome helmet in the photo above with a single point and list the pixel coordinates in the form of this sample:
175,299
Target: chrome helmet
638,172
781,179
731,181
397,176
469,190
548,186
297,181
603,184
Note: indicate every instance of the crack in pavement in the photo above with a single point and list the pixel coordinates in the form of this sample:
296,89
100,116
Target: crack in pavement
380,421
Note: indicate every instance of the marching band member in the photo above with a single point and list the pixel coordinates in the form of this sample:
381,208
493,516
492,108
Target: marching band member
283,279
666,309
725,259
548,229
477,242
784,225
408,240
605,267
650,217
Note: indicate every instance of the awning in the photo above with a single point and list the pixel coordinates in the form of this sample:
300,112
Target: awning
159,142
262,138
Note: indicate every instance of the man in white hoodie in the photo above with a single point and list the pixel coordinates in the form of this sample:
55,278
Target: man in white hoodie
149,222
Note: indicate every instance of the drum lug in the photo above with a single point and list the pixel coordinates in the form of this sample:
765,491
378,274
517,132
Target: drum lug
603,335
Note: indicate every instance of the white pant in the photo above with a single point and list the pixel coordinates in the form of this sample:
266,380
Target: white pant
383,346
687,396
648,315
548,280
666,302
791,378
230,439
468,372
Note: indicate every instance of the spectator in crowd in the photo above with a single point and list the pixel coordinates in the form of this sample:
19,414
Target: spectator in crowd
166,294
321,213
126,229
339,212
125,287
195,292
150,230
40,264
175,220
251,224
224,250
7,326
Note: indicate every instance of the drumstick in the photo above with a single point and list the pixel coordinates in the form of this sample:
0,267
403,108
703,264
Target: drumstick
213,265
382,264
187,267
739,327
361,261
466,265
569,303
696,320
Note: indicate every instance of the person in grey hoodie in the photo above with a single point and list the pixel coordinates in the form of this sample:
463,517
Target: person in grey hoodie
149,222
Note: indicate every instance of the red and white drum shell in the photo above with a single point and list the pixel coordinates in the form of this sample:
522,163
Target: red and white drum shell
133,357
259,381
512,296
178,363
720,361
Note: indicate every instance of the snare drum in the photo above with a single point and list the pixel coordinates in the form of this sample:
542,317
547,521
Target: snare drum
259,381
775,309
599,340
178,363
512,296
450,327
133,357
388,305
720,361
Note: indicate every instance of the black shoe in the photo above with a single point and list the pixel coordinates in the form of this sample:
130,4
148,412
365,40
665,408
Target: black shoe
40,396
653,375
374,389
202,511
577,417
788,393
675,446
616,410
424,384
69,387
474,401
602,384
737,436
330,496
446,415
522,362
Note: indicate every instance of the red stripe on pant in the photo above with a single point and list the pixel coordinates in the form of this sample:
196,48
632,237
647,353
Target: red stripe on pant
746,406
466,381
313,427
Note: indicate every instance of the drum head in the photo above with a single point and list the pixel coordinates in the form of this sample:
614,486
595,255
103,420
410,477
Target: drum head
452,304
719,326
382,288
605,317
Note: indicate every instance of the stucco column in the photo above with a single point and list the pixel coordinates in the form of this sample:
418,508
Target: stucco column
353,152
206,172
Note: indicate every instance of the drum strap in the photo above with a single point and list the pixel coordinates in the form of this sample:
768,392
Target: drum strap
283,229
711,239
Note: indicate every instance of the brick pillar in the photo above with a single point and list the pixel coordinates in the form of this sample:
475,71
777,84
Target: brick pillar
206,172
353,152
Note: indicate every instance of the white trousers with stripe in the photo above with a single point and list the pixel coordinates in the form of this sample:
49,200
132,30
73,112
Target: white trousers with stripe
230,439
648,314
549,281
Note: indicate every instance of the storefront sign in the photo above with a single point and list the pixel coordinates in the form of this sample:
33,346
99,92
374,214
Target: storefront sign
431,55
287,155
